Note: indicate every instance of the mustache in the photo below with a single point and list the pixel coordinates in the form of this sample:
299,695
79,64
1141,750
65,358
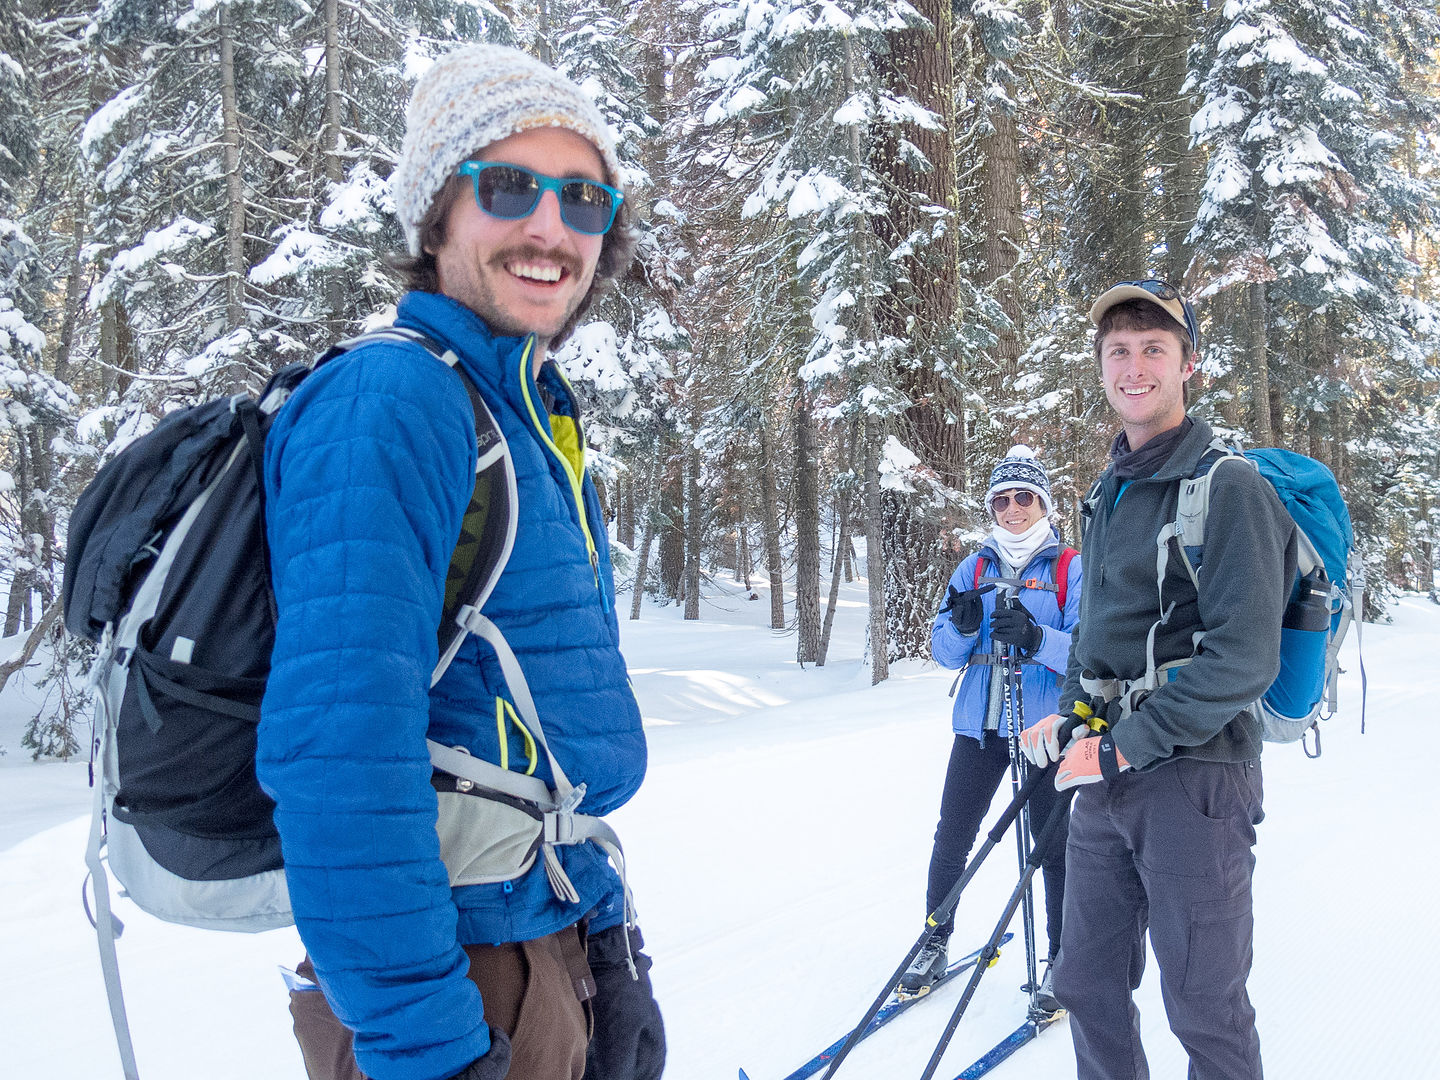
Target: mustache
535,253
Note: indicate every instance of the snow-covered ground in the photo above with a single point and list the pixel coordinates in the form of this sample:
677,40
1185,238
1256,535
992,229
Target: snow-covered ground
778,852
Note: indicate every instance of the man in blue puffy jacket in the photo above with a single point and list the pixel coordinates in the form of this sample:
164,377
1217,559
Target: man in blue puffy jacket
508,190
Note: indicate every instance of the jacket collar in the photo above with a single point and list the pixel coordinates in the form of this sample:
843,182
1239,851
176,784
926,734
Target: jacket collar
1185,459
489,357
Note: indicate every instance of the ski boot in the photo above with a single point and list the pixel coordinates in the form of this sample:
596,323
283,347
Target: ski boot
1045,996
928,966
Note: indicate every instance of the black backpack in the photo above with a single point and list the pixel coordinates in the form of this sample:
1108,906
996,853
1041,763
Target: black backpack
166,569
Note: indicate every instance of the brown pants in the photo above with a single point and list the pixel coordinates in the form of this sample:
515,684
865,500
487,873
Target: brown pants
536,992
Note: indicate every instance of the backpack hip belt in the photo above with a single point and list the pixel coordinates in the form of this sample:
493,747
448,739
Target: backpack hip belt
484,837
1115,699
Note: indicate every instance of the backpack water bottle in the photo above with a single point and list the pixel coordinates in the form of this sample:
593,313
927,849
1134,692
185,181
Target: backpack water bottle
1304,637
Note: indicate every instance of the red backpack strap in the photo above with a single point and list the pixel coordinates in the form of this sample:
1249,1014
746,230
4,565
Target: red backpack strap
979,570
1062,574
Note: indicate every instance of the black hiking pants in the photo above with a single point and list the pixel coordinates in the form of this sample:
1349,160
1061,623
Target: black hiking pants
971,781
1168,851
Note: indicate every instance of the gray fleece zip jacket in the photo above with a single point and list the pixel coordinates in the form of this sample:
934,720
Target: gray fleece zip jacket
1245,582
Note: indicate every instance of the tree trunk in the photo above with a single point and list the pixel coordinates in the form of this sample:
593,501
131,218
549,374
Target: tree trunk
42,507
921,65
1229,311
1259,365
542,47
694,529
234,193
1002,231
914,573
842,545
23,575
117,347
332,143
874,556
769,492
32,642
925,313
647,536
74,289
1179,161
671,526
1425,571
807,534
15,604
625,495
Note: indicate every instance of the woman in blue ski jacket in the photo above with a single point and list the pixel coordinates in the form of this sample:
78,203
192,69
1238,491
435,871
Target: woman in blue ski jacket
1022,562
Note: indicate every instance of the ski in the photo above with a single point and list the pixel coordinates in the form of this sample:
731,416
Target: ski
893,1008
1008,1045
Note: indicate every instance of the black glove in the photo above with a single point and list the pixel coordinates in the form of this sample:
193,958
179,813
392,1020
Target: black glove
1011,624
494,1065
965,608
629,1039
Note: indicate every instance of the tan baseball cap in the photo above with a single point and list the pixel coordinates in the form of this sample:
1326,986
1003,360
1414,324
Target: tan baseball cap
1160,293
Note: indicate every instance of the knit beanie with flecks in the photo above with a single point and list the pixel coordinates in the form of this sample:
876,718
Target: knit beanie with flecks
1021,469
474,96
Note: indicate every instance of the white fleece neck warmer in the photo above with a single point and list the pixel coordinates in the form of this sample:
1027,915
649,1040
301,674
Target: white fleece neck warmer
1017,549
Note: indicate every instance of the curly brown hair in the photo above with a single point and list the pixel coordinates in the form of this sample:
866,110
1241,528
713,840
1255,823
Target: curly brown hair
419,273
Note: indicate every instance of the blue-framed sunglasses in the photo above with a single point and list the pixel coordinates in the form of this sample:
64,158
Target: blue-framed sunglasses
513,191
1163,290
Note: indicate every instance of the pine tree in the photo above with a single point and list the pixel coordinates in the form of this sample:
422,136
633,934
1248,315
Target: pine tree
34,407
1306,203
807,104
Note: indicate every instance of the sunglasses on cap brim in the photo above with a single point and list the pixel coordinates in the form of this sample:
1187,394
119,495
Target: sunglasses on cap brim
1023,499
1163,290
512,192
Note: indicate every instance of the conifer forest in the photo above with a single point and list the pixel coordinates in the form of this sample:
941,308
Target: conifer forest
870,231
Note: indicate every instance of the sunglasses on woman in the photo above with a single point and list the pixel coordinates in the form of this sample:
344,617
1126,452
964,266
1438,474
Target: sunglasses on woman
1023,499
512,192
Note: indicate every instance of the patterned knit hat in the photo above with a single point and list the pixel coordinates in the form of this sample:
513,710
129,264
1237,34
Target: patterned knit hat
1020,468
474,96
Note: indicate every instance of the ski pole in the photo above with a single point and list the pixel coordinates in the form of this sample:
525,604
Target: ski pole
1015,723
947,907
990,952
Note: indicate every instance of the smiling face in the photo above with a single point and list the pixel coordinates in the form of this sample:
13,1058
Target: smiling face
1144,372
1016,518
528,275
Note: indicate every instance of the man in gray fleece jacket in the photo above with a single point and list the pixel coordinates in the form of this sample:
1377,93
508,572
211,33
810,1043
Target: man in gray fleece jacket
1162,829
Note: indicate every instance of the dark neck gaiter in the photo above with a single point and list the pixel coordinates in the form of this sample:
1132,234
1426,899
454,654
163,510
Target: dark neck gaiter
1149,458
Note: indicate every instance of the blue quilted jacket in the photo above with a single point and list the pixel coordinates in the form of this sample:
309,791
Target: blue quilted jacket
1040,682
369,468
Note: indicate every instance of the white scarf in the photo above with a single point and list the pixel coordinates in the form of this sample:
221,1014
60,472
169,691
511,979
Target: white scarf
1017,549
